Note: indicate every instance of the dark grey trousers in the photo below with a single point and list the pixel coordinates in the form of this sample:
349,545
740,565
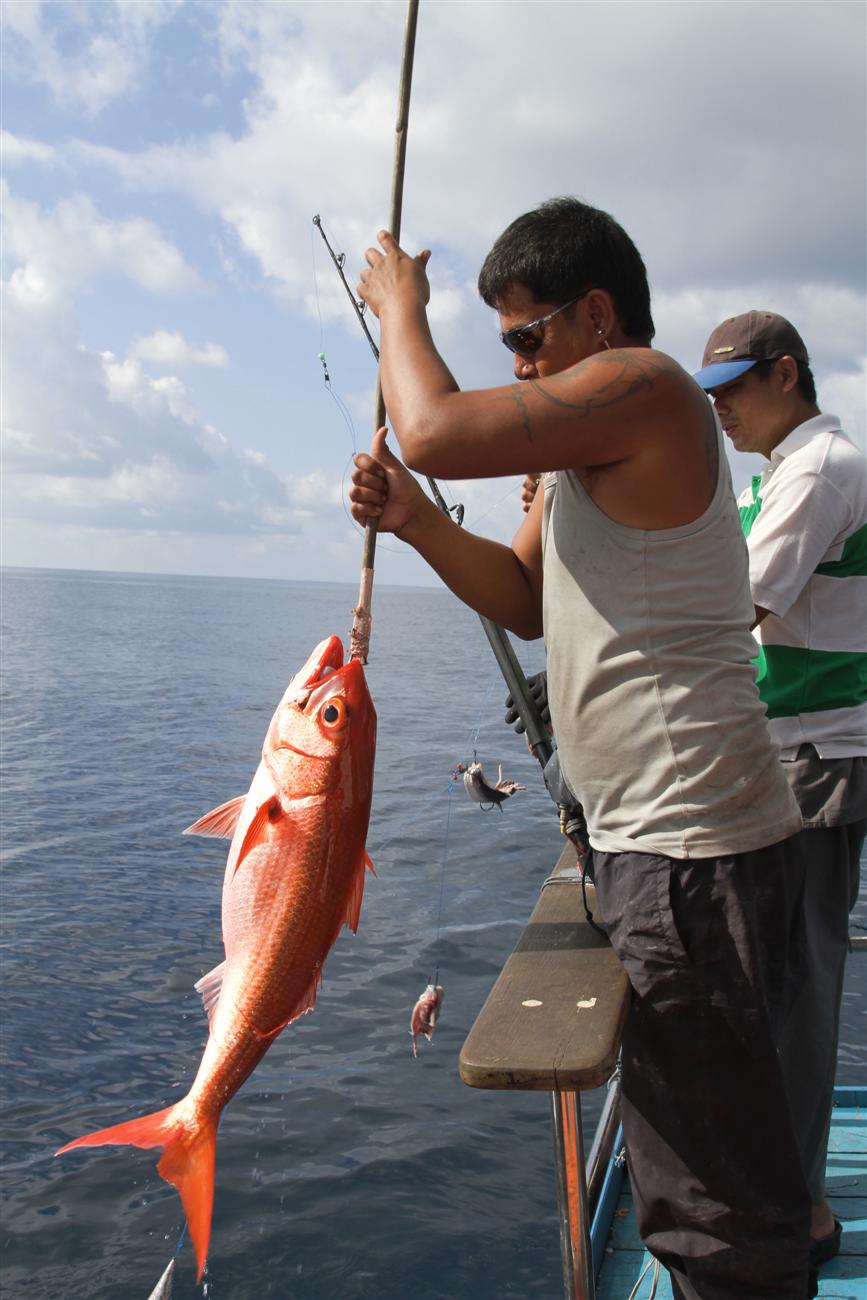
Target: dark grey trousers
714,952
832,796
808,1046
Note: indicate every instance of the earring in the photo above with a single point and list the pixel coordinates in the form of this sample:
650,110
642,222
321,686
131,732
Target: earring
600,332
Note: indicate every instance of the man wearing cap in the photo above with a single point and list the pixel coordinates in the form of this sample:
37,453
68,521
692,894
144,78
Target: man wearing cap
805,520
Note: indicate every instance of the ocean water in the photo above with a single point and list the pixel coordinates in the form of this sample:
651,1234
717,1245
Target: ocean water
345,1168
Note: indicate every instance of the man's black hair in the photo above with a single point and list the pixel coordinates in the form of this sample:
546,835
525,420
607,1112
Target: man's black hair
806,382
566,246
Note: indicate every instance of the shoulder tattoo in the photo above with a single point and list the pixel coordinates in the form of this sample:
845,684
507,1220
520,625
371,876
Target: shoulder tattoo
521,403
626,374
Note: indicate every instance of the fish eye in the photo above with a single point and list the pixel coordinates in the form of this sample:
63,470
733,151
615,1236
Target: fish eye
333,715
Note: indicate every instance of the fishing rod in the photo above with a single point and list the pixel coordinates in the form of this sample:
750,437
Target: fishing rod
498,639
339,260
540,743
359,635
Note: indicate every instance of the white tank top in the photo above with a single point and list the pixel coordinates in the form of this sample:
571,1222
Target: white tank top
656,714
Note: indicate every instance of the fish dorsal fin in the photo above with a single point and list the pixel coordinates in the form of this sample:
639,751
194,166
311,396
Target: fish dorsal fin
266,815
209,987
369,864
221,821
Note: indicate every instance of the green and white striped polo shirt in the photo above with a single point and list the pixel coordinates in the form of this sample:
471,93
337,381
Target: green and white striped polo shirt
805,520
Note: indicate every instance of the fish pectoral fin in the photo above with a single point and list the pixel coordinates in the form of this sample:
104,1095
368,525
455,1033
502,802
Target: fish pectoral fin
308,1001
209,988
353,902
369,864
266,815
221,821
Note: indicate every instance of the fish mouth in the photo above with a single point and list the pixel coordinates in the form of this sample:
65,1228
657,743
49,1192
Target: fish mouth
326,660
326,663
322,668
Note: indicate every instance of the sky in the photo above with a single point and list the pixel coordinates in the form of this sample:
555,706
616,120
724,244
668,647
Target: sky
166,296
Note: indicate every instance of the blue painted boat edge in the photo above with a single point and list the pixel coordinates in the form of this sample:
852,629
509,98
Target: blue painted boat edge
850,1095
608,1198
846,1096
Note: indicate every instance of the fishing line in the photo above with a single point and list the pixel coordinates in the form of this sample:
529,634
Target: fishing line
449,793
482,707
477,519
450,790
339,260
338,400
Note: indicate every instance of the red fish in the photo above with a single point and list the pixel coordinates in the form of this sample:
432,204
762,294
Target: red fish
294,877
425,1014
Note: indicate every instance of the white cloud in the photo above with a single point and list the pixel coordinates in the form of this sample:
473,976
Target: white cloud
169,349
57,252
310,492
832,321
95,442
17,148
319,130
86,54
843,395
738,169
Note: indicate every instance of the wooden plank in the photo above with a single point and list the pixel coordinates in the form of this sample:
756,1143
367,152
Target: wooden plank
846,1179
851,1211
553,1020
620,1273
847,1135
843,1278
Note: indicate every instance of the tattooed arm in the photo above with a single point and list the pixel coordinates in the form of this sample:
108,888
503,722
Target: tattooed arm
631,411
602,411
597,412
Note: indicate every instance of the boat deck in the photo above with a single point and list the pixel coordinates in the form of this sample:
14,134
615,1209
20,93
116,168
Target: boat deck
843,1278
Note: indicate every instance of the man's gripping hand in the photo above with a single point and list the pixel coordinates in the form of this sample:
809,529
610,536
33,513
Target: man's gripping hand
392,273
539,692
529,488
383,488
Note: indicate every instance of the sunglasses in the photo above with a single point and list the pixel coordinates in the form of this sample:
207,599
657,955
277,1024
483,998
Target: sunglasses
527,339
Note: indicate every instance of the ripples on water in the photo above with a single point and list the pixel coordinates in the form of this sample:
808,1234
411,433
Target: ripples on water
345,1169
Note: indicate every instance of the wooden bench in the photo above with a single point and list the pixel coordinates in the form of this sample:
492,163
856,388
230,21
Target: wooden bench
553,1022
553,1019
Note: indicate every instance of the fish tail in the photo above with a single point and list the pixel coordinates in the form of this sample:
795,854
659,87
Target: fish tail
189,1149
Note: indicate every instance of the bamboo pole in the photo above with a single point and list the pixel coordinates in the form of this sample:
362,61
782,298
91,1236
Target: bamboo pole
359,636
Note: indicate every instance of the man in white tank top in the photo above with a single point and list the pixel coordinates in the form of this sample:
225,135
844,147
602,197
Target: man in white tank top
635,570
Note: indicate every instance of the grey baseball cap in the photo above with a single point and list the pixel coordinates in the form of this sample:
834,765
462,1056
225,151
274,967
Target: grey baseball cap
739,342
